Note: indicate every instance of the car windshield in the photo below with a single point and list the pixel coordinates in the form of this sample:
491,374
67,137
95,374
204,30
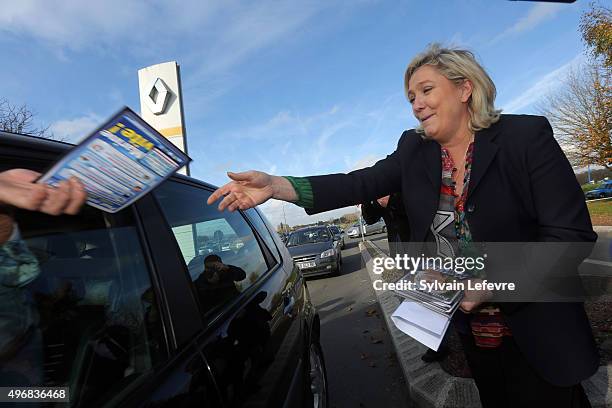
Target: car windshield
309,236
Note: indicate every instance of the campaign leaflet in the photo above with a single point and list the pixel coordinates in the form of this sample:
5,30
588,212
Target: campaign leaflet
120,162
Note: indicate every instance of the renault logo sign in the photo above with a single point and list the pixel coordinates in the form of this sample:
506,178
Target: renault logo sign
157,95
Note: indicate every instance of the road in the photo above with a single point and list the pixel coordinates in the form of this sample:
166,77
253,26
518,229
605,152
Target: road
362,368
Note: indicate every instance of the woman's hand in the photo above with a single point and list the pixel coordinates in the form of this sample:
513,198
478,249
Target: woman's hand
17,188
252,188
473,298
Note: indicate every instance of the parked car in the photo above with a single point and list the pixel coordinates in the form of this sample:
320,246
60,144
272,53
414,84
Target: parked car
378,227
126,309
338,235
603,191
354,230
314,251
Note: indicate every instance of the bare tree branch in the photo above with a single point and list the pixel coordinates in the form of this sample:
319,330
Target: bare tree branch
20,119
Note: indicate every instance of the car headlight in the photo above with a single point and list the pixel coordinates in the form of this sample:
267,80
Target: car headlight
328,253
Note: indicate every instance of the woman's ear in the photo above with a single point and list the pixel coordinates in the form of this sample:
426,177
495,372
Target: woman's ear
466,88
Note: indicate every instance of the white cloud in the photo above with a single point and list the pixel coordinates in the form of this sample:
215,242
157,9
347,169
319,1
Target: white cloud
73,23
226,32
73,130
210,39
251,28
361,163
541,87
536,15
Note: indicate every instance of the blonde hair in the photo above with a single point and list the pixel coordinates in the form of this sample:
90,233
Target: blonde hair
458,65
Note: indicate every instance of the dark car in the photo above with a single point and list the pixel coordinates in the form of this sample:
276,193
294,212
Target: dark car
314,251
134,309
603,191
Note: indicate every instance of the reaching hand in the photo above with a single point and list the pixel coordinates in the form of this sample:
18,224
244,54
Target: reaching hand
252,188
17,188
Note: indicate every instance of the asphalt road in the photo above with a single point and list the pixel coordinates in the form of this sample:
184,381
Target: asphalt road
362,368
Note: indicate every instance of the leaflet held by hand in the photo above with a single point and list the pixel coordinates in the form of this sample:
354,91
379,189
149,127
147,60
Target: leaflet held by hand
120,162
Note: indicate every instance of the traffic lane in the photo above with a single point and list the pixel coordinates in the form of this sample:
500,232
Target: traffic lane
362,368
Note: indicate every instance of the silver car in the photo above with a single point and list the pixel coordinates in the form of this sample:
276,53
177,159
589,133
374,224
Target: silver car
378,227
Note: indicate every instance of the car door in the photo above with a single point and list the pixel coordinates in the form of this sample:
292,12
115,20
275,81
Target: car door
102,319
252,339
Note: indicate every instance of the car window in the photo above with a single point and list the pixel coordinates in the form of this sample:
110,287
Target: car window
221,251
79,312
260,225
309,236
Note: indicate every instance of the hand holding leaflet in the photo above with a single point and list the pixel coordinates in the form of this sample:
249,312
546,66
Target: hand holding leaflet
426,312
120,162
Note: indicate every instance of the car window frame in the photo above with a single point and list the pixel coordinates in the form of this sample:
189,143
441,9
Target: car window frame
271,234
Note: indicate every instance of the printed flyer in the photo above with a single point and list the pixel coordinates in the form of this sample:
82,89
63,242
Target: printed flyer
119,163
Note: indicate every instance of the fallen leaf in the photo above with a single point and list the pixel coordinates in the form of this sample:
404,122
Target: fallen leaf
366,331
372,364
374,340
371,312
363,356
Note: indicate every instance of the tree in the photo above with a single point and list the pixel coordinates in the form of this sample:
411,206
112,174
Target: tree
580,111
282,228
19,119
596,30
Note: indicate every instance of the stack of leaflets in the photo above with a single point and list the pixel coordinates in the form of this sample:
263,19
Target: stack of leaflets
120,162
430,300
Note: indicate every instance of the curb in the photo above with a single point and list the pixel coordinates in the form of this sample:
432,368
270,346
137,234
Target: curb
429,385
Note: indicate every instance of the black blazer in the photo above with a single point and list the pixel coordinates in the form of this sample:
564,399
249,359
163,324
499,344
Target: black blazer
522,189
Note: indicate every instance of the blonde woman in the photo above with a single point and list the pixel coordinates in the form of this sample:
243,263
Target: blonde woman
469,174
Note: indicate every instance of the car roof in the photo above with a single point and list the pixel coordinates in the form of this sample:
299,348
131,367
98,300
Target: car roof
47,149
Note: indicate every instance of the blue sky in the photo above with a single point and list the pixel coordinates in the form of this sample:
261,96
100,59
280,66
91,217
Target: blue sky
293,88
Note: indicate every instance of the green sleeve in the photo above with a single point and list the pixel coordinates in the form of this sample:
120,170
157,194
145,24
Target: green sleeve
303,189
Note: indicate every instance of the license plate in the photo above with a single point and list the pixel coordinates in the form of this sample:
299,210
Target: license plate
303,265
